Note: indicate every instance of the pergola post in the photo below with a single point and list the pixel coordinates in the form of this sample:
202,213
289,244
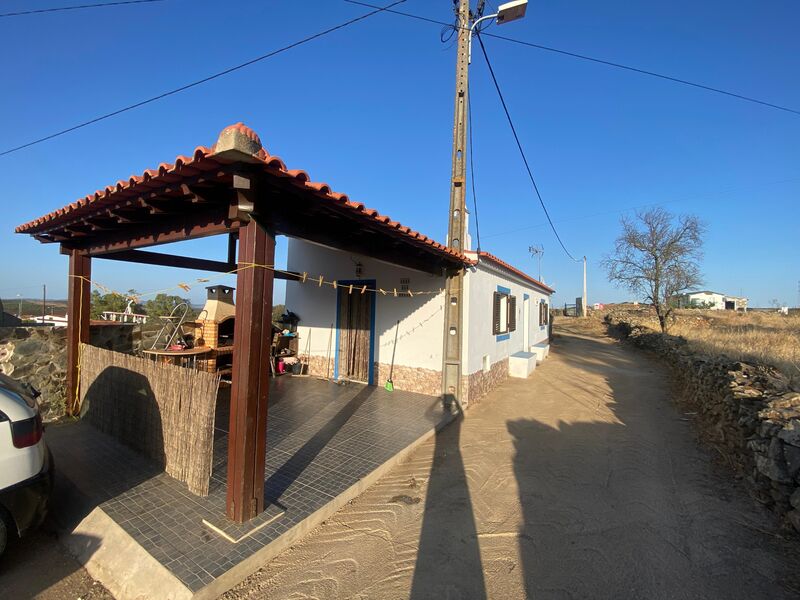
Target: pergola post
78,310
250,378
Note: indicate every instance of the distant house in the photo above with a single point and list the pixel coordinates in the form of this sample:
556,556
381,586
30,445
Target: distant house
711,300
51,320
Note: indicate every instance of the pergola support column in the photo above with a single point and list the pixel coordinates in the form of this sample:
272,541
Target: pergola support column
250,378
78,309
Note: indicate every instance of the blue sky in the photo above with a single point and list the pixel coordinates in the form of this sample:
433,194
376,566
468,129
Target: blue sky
369,110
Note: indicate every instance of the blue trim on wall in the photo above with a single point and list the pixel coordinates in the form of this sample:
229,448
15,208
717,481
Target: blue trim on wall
526,297
503,290
361,282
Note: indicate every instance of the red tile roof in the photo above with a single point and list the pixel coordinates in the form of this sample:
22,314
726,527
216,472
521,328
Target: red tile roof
205,159
501,263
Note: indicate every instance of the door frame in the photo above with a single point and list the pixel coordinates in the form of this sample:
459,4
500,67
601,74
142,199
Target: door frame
370,283
526,322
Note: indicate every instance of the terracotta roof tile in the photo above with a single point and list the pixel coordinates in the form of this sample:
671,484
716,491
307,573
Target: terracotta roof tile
203,158
501,263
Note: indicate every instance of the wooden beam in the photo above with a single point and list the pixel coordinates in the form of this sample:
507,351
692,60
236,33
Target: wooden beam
169,260
233,237
250,378
165,232
78,309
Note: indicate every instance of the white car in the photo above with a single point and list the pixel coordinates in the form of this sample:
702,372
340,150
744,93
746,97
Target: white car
26,474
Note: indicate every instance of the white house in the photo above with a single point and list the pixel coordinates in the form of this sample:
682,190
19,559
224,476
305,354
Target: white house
712,300
347,334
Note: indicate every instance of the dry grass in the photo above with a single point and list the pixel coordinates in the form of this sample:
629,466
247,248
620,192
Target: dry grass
767,338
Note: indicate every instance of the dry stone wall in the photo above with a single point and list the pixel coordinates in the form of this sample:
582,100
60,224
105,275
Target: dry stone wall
749,413
38,356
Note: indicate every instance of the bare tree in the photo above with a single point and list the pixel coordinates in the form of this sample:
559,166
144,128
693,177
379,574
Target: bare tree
657,256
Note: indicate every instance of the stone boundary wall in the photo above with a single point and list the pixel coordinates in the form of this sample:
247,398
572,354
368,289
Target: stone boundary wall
38,356
476,385
748,413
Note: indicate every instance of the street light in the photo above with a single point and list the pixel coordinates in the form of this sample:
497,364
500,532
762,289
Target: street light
510,11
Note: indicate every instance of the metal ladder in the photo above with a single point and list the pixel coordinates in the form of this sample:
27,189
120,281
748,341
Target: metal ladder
172,330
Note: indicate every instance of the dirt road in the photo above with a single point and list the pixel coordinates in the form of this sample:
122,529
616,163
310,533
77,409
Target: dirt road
582,482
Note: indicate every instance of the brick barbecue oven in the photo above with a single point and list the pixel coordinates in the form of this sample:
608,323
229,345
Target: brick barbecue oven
214,328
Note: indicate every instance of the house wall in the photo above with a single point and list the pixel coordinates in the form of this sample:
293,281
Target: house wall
717,301
418,360
480,284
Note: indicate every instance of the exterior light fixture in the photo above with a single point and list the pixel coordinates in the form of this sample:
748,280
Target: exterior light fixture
510,11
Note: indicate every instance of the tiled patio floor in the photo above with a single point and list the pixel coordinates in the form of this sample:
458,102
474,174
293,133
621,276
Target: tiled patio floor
322,438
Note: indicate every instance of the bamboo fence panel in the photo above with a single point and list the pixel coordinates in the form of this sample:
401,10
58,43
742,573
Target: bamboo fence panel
164,411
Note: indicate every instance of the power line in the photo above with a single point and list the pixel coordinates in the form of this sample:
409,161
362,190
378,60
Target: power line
583,217
79,7
521,151
472,167
600,61
183,88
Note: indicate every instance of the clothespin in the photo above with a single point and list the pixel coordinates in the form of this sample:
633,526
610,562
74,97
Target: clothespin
382,291
395,292
305,275
351,289
335,284
363,289
320,281
410,294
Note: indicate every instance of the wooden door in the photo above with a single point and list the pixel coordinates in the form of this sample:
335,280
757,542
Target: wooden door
355,321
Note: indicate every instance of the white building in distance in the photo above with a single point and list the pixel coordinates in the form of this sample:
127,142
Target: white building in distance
712,301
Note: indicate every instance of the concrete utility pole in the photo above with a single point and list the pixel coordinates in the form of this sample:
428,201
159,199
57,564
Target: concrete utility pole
456,234
585,299
454,287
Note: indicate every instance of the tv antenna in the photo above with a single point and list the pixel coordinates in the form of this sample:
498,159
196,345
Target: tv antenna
538,252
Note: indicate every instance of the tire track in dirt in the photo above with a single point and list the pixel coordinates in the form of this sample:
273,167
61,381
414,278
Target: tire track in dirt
581,482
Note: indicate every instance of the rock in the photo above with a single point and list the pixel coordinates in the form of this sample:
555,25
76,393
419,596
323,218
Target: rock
775,450
791,455
794,518
30,348
776,471
790,433
794,499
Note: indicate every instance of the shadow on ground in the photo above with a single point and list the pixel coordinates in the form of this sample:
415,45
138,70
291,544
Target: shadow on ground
616,498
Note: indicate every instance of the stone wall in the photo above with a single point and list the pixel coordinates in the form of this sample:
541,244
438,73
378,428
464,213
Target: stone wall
38,356
749,413
476,385
410,379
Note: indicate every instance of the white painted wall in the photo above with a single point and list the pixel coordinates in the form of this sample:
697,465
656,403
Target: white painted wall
421,317
717,300
480,283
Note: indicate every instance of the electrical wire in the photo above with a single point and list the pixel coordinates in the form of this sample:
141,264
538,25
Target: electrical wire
600,61
78,7
193,84
521,151
472,168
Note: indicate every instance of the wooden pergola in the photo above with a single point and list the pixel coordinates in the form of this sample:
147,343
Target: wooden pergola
237,189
